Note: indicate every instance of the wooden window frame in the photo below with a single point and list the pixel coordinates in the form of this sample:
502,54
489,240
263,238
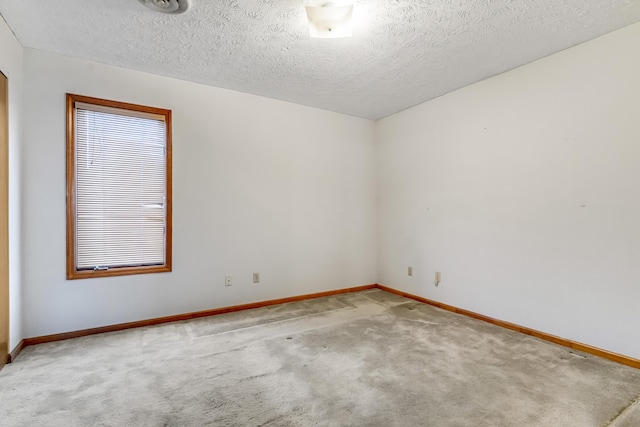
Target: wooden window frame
72,271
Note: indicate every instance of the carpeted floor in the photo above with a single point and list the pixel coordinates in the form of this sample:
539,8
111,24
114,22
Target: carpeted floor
361,359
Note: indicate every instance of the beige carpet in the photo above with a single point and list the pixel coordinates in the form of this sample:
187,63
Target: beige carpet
362,359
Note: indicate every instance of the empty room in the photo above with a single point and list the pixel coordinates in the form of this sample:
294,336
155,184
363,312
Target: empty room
310,213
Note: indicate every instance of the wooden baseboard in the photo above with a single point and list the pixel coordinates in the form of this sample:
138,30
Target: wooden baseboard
180,317
16,351
619,358
625,360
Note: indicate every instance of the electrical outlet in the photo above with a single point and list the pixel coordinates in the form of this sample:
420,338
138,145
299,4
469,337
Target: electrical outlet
438,278
256,277
227,280
410,271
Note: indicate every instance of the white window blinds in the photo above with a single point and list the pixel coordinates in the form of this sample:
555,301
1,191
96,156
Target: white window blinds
120,171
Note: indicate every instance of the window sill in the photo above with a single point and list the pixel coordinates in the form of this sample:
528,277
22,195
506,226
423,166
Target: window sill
124,271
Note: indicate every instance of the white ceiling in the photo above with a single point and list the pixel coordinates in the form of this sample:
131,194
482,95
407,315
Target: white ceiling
403,52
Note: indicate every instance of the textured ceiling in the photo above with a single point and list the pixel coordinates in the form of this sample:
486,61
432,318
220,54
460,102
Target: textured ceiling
403,52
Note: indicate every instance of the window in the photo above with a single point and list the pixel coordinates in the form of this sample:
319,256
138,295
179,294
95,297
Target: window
118,188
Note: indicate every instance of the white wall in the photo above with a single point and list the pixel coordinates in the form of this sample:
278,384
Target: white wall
258,186
521,189
11,64
524,191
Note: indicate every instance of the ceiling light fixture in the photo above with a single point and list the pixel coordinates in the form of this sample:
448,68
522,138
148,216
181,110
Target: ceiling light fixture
328,19
167,6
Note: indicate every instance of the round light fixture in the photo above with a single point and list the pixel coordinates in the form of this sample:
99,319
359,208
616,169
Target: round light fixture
328,19
167,6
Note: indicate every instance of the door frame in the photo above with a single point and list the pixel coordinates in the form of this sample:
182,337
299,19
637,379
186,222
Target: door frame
5,349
